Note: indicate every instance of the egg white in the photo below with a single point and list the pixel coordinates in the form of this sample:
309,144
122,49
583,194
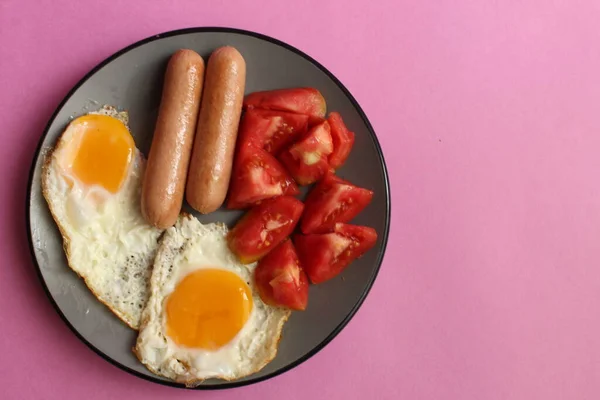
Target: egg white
106,240
184,248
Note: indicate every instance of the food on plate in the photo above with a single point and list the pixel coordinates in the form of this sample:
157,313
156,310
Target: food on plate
271,130
168,161
252,130
330,201
306,159
309,149
204,318
263,227
280,279
208,302
214,145
324,256
342,138
307,101
92,181
257,176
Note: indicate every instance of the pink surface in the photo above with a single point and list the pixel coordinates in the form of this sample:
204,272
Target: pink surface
489,117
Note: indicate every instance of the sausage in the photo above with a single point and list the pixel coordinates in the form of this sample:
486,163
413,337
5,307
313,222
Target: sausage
164,180
214,144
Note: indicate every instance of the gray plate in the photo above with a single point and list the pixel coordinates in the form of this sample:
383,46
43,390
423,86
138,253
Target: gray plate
132,80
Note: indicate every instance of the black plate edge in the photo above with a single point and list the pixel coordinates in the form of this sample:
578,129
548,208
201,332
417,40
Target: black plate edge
380,256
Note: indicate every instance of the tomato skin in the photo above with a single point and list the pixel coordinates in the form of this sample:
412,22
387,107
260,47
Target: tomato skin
306,160
284,128
324,256
256,176
308,101
332,200
280,279
314,121
342,138
263,227
252,129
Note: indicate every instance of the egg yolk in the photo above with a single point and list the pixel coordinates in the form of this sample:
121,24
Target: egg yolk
103,153
208,308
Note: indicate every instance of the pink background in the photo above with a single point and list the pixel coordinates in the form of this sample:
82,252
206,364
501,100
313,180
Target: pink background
489,116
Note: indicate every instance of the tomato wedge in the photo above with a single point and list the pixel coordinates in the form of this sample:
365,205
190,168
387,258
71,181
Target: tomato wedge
280,280
252,130
306,160
342,138
317,140
271,130
304,174
324,256
332,200
308,101
284,128
263,227
256,176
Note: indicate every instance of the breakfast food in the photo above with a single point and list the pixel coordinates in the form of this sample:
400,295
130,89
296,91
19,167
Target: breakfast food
271,130
209,302
264,227
342,138
332,200
324,256
290,124
257,176
168,161
96,205
280,279
204,318
307,159
307,101
214,145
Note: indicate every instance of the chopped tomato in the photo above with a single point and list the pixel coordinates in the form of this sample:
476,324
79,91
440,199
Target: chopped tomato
263,227
256,176
342,138
252,130
280,279
314,121
304,174
306,160
271,130
308,101
284,128
324,256
332,200
317,140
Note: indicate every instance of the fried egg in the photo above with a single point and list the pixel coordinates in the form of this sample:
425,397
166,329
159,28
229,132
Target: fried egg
204,318
92,184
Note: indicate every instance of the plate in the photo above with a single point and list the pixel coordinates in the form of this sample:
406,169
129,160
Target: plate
132,79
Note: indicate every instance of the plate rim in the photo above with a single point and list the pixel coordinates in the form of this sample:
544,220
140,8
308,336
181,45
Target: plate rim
381,251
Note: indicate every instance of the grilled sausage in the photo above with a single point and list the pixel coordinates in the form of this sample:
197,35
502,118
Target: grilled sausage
164,180
214,144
